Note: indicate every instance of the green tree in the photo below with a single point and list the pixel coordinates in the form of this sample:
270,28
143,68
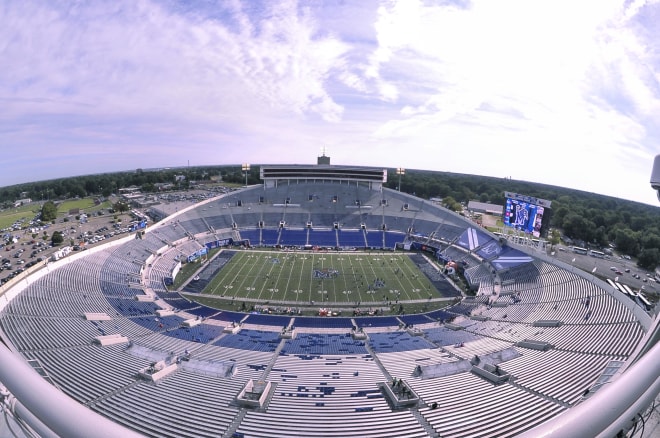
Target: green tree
599,236
48,211
91,186
649,258
56,238
577,227
626,241
120,206
651,240
555,237
452,204
443,189
638,223
78,191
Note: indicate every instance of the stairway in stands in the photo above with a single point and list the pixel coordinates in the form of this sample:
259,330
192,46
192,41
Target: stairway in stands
271,364
424,423
123,388
513,383
415,410
383,370
235,423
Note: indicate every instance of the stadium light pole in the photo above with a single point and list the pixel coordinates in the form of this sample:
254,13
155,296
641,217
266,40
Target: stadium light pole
400,171
246,168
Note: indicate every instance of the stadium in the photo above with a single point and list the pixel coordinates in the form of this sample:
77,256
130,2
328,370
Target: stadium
100,344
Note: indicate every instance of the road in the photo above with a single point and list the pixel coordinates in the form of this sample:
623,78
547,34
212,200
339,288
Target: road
587,263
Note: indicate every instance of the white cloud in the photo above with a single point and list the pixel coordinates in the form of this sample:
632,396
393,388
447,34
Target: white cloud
155,60
549,81
467,87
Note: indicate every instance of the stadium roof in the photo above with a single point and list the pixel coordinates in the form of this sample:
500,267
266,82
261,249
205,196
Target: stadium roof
484,207
271,174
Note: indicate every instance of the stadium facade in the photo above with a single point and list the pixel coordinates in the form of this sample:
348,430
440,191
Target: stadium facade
96,345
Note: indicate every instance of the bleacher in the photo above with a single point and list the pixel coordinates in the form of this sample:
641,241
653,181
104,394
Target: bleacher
440,315
228,316
351,238
311,344
293,237
202,333
194,226
326,382
253,235
322,322
392,238
207,400
269,237
130,307
443,336
323,238
268,320
201,311
463,413
374,238
397,341
412,320
381,321
158,323
246,339
328,396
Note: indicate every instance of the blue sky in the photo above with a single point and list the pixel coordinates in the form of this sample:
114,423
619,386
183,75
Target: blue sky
558,92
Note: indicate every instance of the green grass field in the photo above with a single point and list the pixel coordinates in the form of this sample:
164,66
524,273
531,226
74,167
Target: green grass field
82,204
332,278
9,216
27,212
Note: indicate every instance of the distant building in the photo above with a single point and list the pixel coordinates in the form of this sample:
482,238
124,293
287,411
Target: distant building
129,190
486,208
275,175
20,202
130,193
144,202
323,160
163,186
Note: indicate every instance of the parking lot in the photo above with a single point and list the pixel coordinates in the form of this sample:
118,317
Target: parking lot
24,248
27,249
603,270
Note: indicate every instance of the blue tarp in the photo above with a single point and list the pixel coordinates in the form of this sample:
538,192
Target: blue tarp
510,258
472,239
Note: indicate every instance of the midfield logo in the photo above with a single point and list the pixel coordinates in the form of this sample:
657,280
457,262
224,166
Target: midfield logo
325,273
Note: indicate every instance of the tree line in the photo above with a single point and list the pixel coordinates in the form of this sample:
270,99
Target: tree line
595,219
108,183
598,220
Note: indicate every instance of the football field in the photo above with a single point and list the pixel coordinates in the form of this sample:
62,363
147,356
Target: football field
315,278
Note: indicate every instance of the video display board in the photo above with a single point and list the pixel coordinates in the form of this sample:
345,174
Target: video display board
524,216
